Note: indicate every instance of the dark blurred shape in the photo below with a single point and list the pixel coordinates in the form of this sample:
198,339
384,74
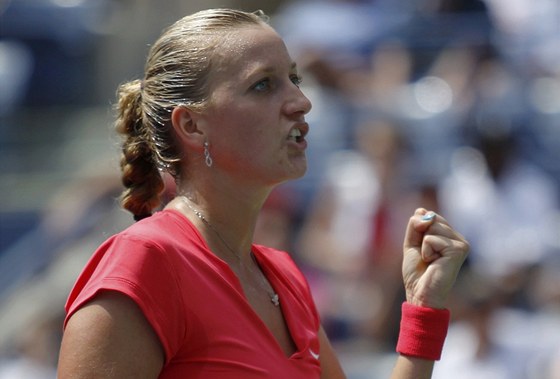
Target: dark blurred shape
58,52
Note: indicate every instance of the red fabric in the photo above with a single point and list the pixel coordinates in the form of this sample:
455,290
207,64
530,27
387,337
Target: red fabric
196,305
423,331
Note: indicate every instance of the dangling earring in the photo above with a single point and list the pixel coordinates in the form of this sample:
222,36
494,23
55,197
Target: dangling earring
207,157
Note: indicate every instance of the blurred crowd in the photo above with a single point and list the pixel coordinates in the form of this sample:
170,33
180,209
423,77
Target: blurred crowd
450,105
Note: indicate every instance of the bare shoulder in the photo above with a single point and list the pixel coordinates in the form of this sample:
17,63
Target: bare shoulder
109,337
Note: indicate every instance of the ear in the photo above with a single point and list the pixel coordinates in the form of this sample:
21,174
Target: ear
185,123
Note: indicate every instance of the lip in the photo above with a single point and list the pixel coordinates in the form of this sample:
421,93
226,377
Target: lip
303,128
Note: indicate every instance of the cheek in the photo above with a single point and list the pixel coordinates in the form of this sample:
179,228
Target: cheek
254,146
246,133
253,133
243,144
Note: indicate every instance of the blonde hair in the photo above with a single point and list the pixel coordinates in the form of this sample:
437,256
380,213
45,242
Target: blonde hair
176,73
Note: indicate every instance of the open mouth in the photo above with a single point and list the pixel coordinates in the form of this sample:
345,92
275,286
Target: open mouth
298,132
295,135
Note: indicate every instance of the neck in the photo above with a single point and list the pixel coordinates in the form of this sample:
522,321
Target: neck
231,207
229,237
188,202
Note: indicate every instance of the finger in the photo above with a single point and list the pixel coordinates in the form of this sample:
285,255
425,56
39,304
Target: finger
438,228
418,224
434,247
443,229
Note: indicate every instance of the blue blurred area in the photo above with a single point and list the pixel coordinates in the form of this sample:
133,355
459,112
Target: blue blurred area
48,53
60,40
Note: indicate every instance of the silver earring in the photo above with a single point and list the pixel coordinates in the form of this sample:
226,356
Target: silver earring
207,157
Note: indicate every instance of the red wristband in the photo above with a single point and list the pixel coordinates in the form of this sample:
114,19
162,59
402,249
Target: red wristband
423,331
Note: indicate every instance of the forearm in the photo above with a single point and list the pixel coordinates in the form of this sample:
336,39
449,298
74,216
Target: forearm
412,368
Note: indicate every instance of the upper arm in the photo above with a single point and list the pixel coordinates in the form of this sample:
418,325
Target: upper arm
109,337
330,366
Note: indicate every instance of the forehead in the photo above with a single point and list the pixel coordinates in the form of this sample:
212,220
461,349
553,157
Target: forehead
251,48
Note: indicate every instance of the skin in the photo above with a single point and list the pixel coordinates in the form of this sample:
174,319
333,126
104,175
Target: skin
255,102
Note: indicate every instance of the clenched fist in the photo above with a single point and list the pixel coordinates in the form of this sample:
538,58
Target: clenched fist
433,255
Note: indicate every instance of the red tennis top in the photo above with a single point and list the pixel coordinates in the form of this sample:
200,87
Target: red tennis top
196,304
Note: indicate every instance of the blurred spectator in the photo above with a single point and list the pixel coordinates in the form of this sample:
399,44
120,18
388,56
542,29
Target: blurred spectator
489,340
527,33
507,207
504,205
351,239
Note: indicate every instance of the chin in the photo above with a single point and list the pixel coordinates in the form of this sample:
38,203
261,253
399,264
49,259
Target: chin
298,173
292,175
293,170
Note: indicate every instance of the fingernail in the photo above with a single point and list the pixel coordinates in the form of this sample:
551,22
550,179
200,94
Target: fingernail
428,216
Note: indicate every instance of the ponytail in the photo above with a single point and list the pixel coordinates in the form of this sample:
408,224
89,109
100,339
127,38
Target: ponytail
140,175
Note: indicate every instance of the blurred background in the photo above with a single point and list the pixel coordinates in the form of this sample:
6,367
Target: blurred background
452,105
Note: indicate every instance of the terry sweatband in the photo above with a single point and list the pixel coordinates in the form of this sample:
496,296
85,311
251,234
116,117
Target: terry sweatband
423,331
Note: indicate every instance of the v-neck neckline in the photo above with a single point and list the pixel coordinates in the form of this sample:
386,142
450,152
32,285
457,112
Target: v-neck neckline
236,283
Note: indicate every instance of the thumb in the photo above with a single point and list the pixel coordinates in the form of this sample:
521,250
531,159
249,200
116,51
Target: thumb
418,224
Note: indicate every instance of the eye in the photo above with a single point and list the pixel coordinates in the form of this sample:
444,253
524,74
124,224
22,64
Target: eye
296,79
262,85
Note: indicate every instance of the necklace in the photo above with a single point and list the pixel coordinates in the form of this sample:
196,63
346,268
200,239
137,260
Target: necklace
274,298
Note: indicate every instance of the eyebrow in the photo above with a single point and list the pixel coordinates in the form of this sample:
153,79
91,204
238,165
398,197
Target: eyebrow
293,67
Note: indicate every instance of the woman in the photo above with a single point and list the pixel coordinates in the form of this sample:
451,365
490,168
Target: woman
184,293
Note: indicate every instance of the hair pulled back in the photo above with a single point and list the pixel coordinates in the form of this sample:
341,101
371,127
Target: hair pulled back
176,73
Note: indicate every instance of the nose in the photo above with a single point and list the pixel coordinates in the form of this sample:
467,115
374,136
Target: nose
297,103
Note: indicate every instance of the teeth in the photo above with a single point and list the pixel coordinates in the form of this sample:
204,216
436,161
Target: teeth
295,133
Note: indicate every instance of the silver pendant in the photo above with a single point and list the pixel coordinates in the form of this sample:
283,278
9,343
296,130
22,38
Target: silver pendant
275,300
